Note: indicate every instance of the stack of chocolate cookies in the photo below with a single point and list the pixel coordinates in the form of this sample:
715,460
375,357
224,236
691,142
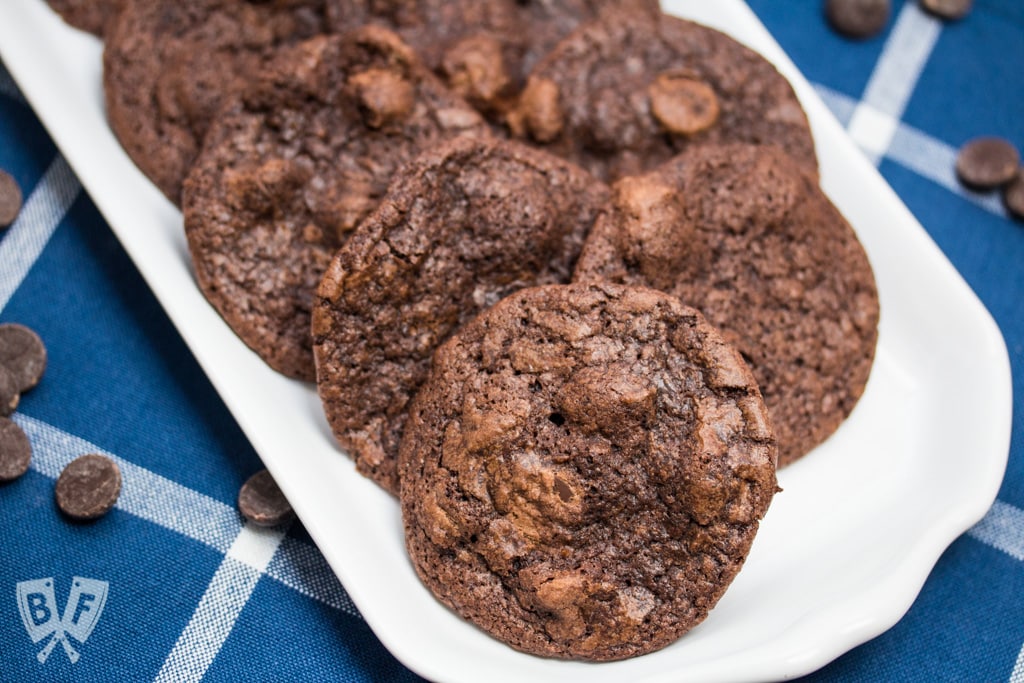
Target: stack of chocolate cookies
562,273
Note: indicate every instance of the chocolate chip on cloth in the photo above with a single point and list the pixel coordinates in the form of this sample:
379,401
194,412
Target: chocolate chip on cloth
87,15
464,225
23,354
986,163
858,19
15,451
261,502
88,487
742,234
10,199
948,9
169,66
1013,195
584,471
10,395
288,171
630,90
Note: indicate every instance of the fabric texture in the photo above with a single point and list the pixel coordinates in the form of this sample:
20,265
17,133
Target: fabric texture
185,591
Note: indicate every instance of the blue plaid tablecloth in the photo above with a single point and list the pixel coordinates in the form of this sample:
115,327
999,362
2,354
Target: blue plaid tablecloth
181,606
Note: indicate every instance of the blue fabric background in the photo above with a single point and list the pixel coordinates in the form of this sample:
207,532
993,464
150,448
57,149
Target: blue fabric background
120,378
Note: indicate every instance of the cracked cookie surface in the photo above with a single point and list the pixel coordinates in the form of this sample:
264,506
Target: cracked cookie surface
291,168
584,470
629,90
742,234
464,225
482,48
168,67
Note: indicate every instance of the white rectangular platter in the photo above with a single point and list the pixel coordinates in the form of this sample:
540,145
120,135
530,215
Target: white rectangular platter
844,549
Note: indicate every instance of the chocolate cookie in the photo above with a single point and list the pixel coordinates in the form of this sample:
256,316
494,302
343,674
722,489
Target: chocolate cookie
291,168
742,234
549,21
584,470
630,90
169,66
483,48
87,15
466,224
479,44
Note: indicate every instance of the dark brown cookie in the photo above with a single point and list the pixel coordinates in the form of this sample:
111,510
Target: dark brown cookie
483,48
288,172
169,66
630,90
742,234
87,15
466,224
584,470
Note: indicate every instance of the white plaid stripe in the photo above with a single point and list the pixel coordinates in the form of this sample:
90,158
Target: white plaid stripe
144,494
919,152
225,597
1017,675
42,213
211,623
166,503
303,568
907,48
1003,529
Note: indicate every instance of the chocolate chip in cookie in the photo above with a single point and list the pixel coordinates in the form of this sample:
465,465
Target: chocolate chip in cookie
630,90
483,50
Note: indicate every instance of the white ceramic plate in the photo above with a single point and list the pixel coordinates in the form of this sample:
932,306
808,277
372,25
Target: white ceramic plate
844,549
